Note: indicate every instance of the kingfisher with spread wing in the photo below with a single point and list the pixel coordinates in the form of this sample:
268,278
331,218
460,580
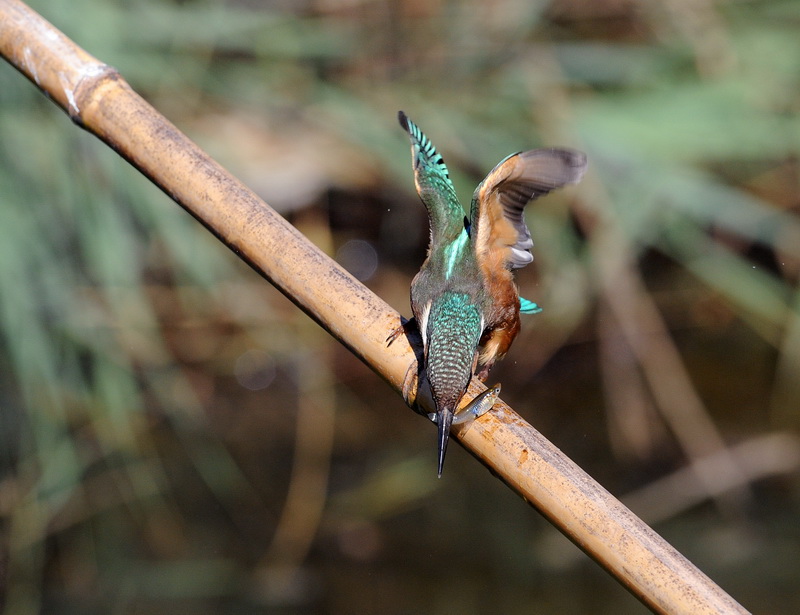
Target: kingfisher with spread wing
464,299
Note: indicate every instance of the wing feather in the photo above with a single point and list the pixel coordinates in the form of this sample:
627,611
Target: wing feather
498,204
433,183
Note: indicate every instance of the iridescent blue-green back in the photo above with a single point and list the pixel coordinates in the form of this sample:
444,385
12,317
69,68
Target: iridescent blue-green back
454,328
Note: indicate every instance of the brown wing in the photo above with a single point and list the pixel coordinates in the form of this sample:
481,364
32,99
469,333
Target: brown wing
498,227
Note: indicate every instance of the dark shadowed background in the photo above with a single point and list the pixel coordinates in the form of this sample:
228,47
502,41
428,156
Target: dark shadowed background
178,437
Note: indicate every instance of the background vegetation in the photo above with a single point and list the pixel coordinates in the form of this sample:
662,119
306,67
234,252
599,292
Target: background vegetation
177,436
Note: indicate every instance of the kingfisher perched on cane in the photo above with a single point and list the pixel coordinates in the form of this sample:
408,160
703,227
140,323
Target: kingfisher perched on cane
464,299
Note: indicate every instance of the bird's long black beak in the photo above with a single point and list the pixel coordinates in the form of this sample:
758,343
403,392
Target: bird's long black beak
445,419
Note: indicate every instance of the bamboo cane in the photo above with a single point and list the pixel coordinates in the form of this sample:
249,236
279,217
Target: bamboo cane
97,98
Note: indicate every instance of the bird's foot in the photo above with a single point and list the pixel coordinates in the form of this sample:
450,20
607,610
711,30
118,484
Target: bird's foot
401,330
474,409
410,384
482,373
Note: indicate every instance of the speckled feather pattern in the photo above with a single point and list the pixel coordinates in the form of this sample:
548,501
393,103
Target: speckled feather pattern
454,328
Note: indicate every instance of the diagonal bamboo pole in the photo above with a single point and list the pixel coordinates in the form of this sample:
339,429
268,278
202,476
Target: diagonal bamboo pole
97,98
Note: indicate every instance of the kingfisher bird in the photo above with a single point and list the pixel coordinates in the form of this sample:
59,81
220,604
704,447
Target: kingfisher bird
464,299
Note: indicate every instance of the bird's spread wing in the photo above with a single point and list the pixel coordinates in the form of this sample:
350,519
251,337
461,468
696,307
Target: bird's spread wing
498,226
433,182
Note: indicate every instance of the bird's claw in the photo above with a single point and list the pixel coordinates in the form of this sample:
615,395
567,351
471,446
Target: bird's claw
400,330
395,334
